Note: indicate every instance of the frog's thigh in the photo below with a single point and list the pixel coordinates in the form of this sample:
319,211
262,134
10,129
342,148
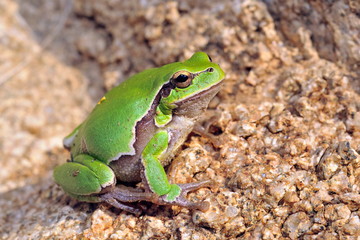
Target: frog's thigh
84,176
154,172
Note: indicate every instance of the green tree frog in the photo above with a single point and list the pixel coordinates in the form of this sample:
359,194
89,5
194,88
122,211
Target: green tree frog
135,130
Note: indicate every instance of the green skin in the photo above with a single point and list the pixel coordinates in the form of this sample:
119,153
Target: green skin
135,130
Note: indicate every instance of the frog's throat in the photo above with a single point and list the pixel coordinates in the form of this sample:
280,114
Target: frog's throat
193,106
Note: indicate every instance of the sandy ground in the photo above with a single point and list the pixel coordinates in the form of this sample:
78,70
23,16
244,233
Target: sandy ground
287,119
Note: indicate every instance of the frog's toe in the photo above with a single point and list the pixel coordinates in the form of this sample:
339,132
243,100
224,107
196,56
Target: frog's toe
183,202
188,187
205,132
121,194
113,202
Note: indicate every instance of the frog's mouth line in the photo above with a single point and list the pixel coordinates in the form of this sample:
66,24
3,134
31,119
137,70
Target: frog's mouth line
199,95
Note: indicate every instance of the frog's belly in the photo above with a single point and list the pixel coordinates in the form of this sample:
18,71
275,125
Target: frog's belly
128,168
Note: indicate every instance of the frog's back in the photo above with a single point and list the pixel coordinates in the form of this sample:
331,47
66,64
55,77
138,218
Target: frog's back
109,131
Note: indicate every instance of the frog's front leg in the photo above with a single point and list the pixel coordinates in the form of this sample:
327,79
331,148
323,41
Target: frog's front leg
156,180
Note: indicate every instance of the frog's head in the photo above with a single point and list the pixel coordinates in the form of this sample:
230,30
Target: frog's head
193,83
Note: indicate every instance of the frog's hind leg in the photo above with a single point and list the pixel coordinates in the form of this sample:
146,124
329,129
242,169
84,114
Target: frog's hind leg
110,199
84,177
127,194
121,194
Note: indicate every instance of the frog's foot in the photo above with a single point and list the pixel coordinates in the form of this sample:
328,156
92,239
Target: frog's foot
121,195
205,131
177,195
113,202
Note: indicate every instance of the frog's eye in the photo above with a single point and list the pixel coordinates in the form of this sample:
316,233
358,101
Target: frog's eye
182,79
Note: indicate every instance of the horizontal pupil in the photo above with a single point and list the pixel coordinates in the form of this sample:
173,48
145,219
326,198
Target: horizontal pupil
182,78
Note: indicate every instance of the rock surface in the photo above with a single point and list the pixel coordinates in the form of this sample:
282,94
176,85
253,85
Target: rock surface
286,161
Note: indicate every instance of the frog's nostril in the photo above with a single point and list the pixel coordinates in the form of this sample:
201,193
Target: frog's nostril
210,69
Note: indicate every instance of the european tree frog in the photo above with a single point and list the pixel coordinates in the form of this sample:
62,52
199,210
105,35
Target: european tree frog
135,130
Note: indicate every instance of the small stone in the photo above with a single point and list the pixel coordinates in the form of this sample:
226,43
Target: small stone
101,226
329,164
252,79
91,43
276,109
278,190
34,124
281,211
323,195
316,228
154,227
172,12
153,32
339,183
350,198
346,153
245,130
291,197
353,227
231,211
337,212
296,225
265,53
279,123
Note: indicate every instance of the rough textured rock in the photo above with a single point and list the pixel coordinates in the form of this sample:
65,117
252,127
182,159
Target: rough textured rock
287,122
